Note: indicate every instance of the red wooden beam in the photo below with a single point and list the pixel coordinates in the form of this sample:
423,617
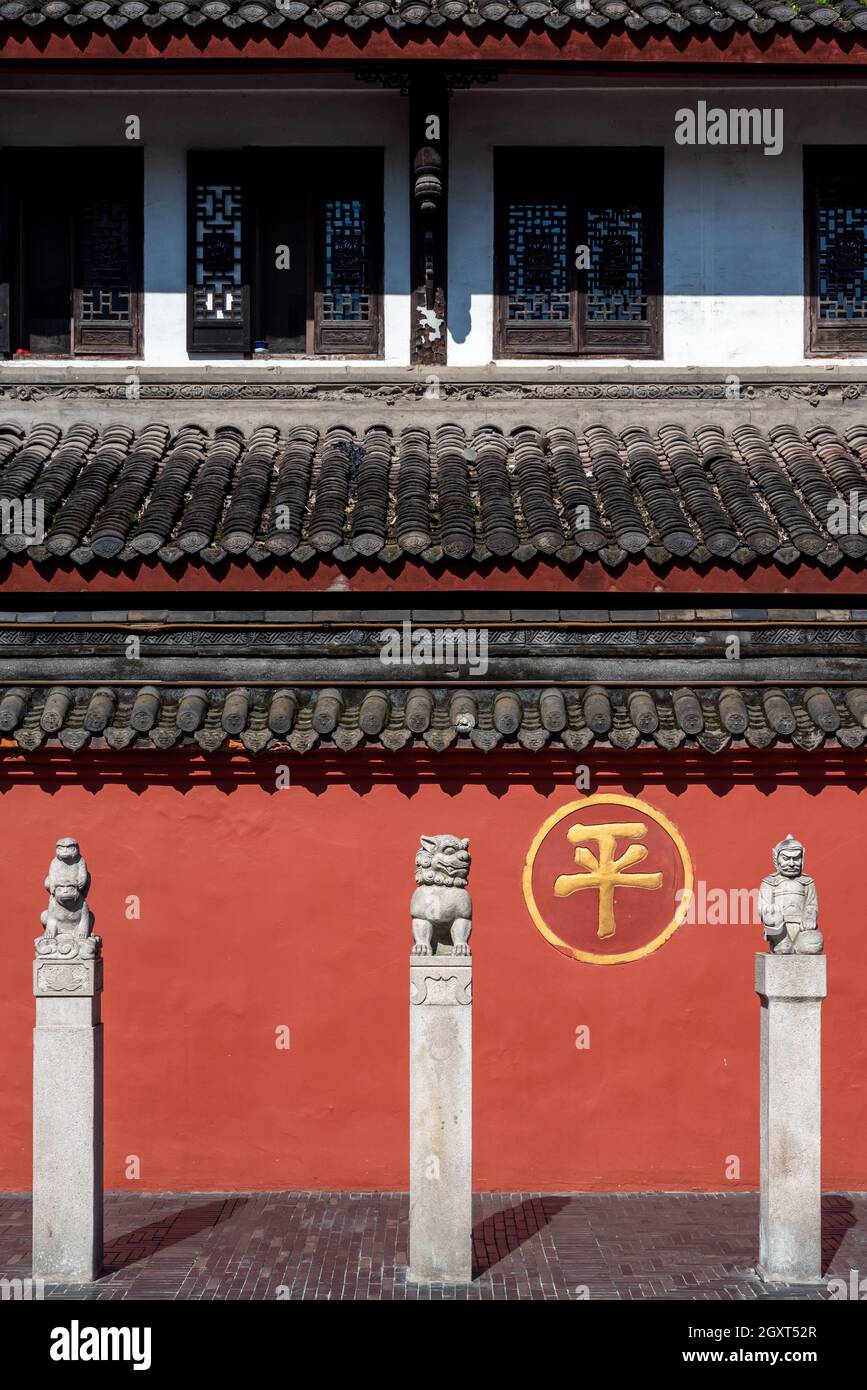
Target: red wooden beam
634,577
496,44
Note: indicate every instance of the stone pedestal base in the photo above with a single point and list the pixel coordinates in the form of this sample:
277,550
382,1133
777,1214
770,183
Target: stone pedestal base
67,1121
440,1118
791,989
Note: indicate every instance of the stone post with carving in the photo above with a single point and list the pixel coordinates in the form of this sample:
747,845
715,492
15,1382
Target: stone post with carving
441,1064
791,984
67,1080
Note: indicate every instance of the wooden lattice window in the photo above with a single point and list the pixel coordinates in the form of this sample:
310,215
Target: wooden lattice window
577,252
285,253
218,293
836,250
344,307
70,252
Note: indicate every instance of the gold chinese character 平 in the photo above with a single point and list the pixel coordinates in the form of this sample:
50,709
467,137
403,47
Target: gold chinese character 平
605,872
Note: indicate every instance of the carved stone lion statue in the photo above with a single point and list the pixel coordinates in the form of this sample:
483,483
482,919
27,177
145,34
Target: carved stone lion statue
67,921
441,907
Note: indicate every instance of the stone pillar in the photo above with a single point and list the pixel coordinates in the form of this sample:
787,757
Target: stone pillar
440,1119
791,989
67,1081
441,1064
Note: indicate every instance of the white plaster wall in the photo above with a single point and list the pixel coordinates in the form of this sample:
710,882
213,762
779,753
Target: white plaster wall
165,256
172,123
733,218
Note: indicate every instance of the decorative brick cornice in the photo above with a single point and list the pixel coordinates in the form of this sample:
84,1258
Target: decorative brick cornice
813,391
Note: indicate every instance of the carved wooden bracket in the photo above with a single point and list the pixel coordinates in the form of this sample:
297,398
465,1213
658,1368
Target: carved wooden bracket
428,123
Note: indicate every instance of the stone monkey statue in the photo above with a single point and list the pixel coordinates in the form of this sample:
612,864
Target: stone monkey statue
67,921
67,866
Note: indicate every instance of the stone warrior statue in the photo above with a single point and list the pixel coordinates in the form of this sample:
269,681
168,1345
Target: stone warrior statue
788,904
441,907
67,921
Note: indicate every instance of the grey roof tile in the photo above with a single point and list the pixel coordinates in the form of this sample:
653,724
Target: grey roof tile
294,492
676,16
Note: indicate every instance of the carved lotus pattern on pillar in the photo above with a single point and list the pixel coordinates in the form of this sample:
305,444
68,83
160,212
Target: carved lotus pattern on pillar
440,989
59,979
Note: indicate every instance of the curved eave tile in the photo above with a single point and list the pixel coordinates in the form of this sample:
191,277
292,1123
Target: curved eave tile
441,719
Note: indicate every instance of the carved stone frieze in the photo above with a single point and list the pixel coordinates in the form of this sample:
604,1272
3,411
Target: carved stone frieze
74,978
441,989
330,639
401,392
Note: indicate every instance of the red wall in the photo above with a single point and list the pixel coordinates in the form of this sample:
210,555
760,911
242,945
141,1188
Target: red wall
262,907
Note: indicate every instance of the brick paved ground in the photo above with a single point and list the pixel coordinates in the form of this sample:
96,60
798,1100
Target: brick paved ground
353,1246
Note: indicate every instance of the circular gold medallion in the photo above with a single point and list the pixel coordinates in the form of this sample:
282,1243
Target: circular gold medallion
584,888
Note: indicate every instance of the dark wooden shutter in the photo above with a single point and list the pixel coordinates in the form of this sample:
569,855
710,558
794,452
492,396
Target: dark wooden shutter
836,250
282,298
534,255
348,225
44,182
548,204
218,255
619,220
107,309
5,267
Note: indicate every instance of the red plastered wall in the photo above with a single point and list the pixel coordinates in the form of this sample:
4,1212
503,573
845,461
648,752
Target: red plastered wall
261,908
